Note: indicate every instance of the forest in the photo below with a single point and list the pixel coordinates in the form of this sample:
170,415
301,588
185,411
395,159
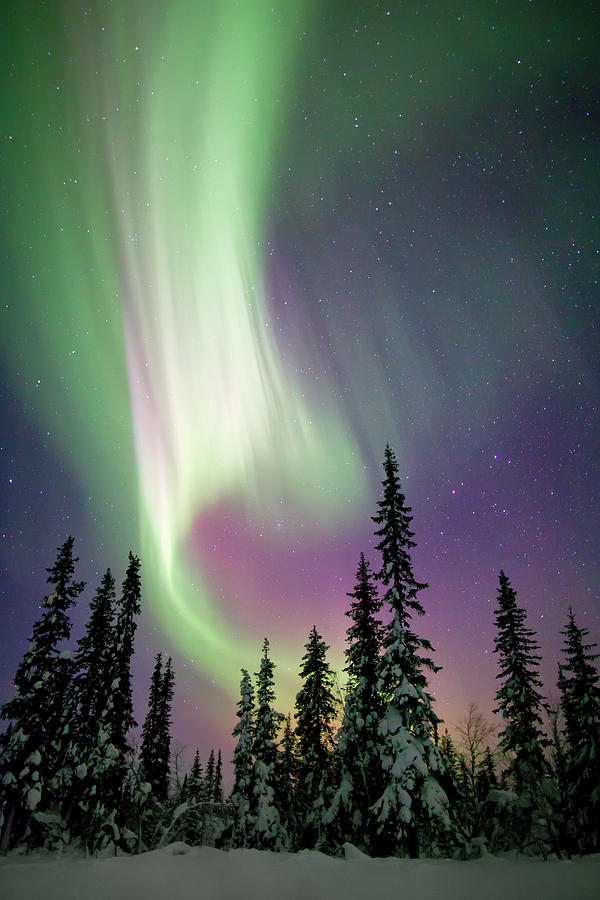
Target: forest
374,768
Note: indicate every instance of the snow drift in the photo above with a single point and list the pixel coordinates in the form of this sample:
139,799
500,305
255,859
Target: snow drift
179,872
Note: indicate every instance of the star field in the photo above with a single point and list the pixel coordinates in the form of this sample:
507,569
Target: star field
245,247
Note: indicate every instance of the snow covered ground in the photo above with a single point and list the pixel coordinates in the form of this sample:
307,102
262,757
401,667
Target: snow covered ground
178,873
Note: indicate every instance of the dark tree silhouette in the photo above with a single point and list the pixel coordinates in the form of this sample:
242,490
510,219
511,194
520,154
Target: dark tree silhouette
31,747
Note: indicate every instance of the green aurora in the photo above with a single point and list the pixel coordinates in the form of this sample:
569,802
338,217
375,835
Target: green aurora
148,199
245,246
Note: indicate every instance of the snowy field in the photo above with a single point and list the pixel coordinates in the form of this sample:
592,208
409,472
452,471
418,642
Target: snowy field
201,873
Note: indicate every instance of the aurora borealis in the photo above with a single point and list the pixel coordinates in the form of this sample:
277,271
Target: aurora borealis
246,245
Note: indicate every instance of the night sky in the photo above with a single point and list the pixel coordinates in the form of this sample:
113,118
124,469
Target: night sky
247,243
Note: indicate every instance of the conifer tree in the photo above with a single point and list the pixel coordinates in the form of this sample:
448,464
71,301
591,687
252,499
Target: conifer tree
448,751
243,768
118,717
145,785
266,831
85,700
112,751
557,761
195,798
183,793
580,702
521,704
358,747
486,776
209,776
90,662
315,713
193,795
149,786
412,800
217,796
489,769
195,783
287,770
519,700
30,747
148,749
454,781
164,732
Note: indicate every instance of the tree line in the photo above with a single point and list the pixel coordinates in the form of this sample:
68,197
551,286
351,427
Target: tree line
370,769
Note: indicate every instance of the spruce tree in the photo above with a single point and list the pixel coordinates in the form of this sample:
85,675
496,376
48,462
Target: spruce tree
217,795
112,752
453,779
195,783
358,748
183,793
90,662
30,749
145,785
315,713
163,768
243,763
195,797
286,782
521,704
85,700
118,716
266,831
209,776
412,802
448,751
580,703
519,700
149,750
486,776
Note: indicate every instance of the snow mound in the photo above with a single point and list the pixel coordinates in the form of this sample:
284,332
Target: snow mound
177,848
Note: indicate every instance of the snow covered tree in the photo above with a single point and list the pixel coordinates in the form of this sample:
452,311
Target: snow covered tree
192,823
521,704
90,662
349,815
209,776
118,717
31,746
316,708
286,781
580,703
156,734
243,763
85,700
112,752
448,751
519,701
155,752
412,802
266,831
149,746
453,778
